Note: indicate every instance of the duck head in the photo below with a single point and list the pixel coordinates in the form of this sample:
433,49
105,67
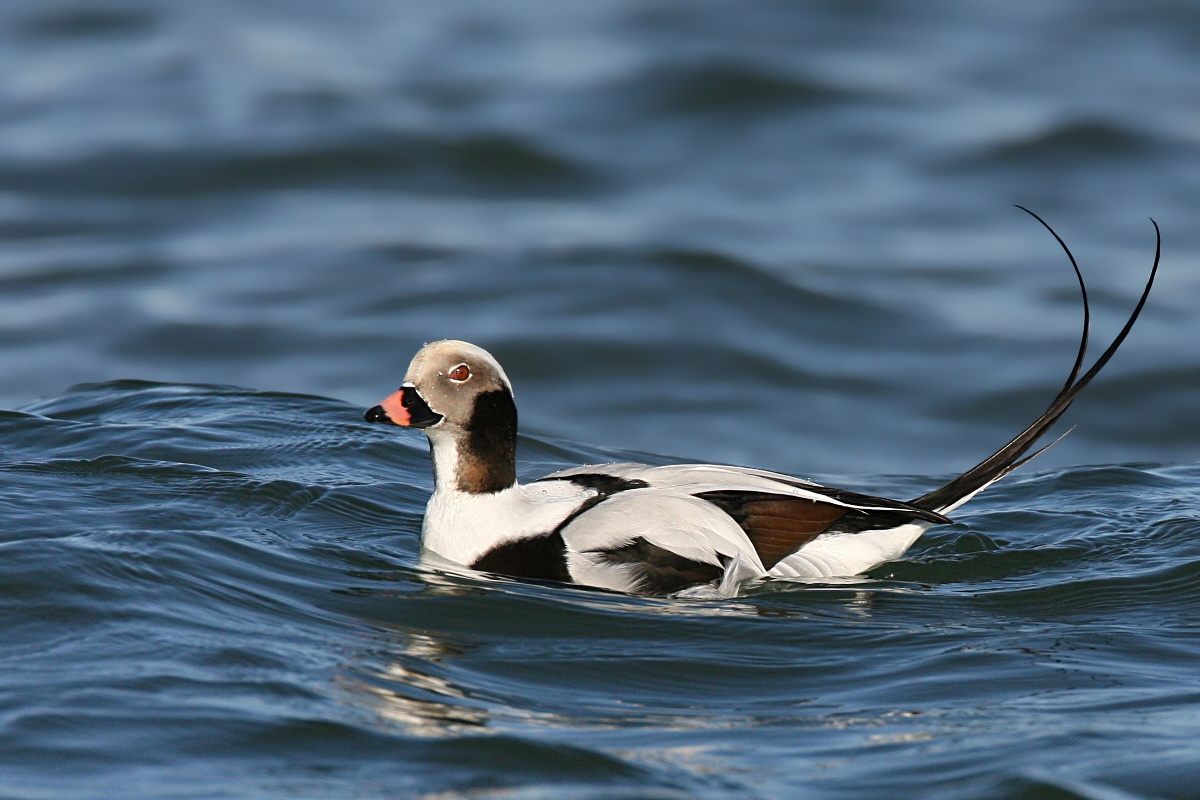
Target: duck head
459,395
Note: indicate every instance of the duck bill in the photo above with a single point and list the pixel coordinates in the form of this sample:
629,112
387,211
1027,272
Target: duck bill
406,408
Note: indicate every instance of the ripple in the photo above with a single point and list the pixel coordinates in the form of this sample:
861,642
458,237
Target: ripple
279,610
670,223
1077,141
1174,586
479,162
733,88
81,22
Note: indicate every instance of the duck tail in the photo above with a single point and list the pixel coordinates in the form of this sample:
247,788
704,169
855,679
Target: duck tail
1016,452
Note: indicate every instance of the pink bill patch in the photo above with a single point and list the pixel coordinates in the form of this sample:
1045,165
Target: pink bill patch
395,409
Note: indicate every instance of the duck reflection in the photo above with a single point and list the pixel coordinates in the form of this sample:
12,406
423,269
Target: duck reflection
401,682
411,676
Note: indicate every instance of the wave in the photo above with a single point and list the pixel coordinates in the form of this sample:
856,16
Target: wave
83,22
472,163
729,87
240,570
1076,141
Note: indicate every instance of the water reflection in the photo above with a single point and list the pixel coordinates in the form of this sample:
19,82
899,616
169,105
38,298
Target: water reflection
421,674
397,682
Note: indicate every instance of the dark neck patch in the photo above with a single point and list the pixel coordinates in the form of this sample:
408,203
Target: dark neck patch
487,456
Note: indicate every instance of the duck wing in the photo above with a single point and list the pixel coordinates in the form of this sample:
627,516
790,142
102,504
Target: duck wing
663,529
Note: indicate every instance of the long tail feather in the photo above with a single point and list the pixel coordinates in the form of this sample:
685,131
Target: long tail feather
1009,457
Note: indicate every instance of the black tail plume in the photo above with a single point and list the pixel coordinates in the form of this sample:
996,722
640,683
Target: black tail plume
1010,456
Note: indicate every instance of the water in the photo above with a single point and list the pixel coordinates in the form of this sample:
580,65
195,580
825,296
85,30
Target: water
777,236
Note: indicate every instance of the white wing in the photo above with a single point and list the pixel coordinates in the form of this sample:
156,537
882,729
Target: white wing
697,478
669,529
665,525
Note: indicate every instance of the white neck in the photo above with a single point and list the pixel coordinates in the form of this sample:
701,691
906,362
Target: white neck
443,448
461,526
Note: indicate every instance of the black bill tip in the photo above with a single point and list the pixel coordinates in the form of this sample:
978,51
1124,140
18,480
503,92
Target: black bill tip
376,414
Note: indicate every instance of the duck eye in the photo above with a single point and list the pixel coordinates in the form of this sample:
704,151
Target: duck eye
460,373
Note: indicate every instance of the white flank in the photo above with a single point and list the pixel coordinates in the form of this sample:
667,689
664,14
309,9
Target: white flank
838,555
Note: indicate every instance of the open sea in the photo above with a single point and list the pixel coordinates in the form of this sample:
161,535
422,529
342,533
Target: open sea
776,234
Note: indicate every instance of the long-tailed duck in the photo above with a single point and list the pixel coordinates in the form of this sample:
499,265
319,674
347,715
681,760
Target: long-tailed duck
657,530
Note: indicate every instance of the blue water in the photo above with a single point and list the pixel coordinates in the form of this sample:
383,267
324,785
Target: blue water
774,234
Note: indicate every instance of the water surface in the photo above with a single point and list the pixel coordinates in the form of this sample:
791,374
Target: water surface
777,236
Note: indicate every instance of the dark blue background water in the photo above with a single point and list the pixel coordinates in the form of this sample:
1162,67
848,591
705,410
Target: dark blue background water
775,233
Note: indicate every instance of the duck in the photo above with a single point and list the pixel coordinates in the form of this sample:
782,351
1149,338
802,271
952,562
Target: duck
673,529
